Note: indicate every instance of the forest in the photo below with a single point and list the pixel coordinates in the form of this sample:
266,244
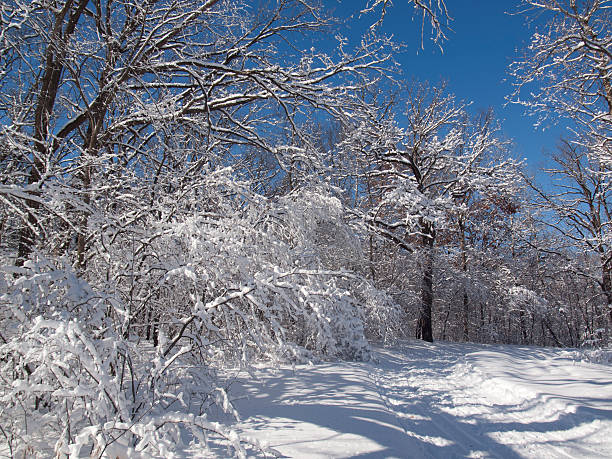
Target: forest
187,185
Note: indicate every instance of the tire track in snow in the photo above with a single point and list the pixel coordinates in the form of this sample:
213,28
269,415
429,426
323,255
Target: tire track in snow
509,415
457,410
416,394
375,377
441,400
535,407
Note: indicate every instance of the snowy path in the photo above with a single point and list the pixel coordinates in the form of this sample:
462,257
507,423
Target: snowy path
439,401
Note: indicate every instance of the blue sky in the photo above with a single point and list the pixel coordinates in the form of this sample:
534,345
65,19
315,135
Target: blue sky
483,41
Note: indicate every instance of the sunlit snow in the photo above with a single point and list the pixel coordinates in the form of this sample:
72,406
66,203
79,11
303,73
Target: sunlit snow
437,400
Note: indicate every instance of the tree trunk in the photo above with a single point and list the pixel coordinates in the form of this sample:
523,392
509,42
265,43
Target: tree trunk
466,302
606,286
424,325
466,316
522,325
481,332
49,85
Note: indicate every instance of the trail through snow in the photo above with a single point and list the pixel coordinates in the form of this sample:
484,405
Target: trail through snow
436,400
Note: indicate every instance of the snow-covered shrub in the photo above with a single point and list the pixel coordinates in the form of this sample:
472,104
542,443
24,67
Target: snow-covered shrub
237,275
70,382
603,355
523,299
597,339
384,320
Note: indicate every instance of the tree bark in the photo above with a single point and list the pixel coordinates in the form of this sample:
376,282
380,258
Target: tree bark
424,325
466,302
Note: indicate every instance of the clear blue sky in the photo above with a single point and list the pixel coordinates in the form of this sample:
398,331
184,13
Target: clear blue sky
483,41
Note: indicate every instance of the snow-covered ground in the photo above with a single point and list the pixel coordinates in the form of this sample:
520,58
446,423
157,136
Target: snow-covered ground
436,400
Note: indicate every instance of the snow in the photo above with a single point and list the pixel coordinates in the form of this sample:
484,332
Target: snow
438,400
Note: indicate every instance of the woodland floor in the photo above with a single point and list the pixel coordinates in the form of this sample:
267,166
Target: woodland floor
438,400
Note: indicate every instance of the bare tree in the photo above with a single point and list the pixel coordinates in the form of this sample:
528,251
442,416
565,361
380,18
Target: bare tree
580,206
566,70
432,11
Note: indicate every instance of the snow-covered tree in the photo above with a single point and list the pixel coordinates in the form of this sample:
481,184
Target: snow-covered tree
134,230
566,73
416,179
566,69
433,12
579,211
